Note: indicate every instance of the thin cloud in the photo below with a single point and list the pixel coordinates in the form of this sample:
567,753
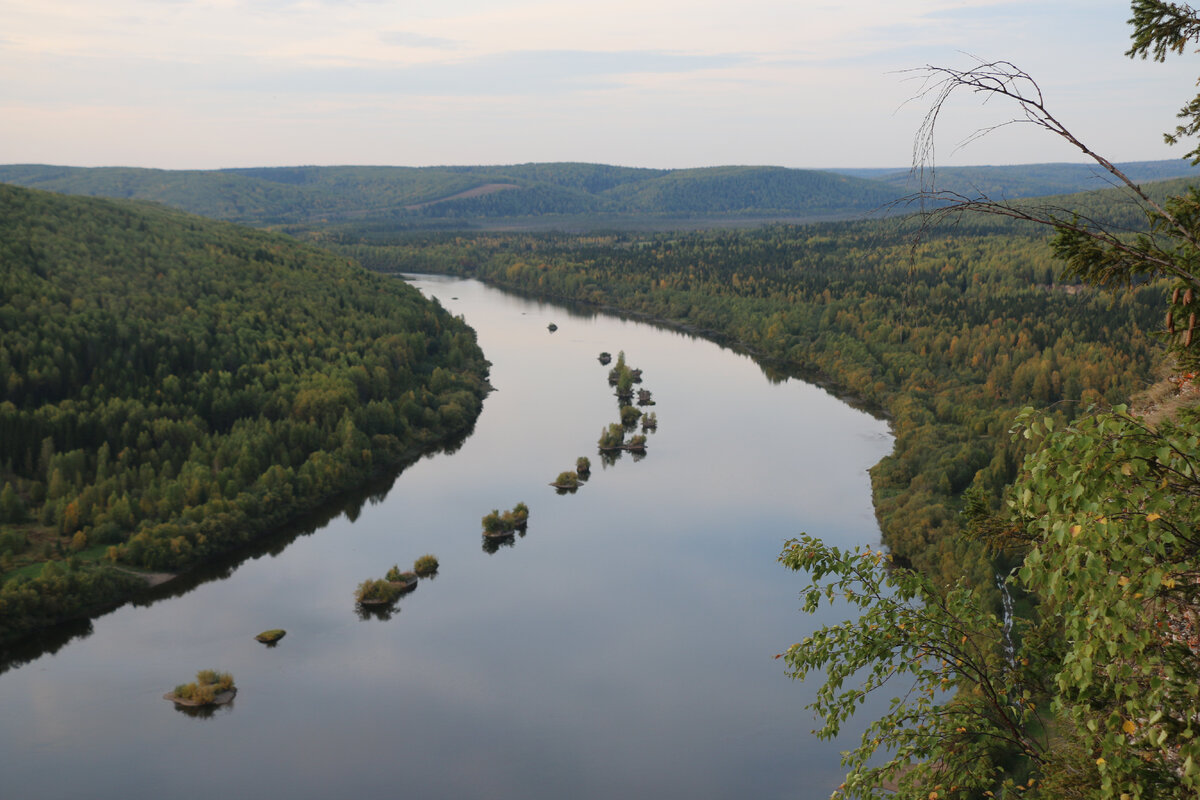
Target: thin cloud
409,39
516,73
551,72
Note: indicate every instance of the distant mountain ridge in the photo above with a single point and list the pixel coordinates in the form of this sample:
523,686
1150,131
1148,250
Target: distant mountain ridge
550,195
1025,180
420,197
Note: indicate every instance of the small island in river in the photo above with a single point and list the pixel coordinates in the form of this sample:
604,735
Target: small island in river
499,526
403,581
211,688
568,481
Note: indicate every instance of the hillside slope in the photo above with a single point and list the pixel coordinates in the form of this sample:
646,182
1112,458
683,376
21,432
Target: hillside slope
173,386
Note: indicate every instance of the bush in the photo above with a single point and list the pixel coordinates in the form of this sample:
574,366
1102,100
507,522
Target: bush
107,533
425,565
208,684
612,436
13,542
394,575
493,522
496,522
566,480
375,590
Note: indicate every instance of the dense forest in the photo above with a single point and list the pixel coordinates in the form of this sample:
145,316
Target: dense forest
174,386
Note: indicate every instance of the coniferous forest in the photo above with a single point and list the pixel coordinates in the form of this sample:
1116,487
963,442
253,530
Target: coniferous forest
175,386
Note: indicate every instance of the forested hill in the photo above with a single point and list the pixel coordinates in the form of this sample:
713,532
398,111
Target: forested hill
173,386
564,194
552,196
1025,180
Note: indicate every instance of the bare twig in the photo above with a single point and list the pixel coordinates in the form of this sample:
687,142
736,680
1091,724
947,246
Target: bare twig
1003,79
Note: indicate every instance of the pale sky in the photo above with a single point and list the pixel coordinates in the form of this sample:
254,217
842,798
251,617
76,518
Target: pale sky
650,83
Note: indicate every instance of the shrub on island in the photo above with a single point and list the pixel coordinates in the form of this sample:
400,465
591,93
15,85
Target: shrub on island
425,565
404,581
566,480
612,437
210,688
497,525
376,591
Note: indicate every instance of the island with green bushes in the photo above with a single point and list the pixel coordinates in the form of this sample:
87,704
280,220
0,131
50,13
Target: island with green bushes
211,688
498,525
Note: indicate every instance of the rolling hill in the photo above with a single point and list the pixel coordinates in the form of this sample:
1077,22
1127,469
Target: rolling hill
458,197
549,196
1026,180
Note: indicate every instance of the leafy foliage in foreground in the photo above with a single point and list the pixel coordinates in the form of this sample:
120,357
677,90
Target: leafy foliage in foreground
174,386
1112,504
962,711
1097,694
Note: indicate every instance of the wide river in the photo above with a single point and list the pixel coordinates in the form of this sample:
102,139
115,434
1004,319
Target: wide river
623,647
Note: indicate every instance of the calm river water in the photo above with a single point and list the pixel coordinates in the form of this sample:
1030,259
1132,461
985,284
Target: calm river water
621,648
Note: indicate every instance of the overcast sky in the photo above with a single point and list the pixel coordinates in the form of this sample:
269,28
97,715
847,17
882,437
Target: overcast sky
648,83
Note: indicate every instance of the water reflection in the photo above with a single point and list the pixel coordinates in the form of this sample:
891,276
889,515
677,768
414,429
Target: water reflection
45,643
205,712
609,458
493,542
350,505
376,611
